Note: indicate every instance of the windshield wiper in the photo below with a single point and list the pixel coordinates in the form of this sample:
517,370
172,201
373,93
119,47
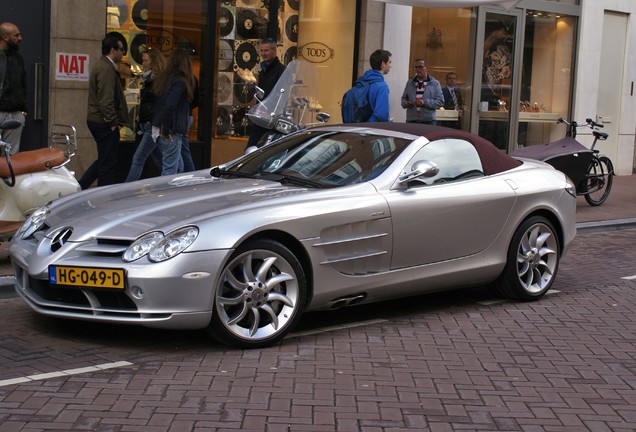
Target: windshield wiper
218,172
298,181
282,179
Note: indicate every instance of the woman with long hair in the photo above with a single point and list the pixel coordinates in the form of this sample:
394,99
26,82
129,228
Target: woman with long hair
153,63
175,87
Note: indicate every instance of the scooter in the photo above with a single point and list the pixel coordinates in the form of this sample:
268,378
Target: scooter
286,107
32,178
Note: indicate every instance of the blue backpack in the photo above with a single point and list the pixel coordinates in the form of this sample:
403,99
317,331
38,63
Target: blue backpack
355,103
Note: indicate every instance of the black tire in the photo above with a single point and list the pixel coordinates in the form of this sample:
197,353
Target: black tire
599,178
260,296
532,262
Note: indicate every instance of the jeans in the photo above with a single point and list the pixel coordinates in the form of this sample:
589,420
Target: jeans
145,148
256,132
187,164
170,153
12,136
103,169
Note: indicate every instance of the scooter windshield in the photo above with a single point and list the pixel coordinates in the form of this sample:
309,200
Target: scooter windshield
294,96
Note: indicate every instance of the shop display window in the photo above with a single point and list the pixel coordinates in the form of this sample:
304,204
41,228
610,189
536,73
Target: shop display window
226,43
443,38
164,25
318,31
546,78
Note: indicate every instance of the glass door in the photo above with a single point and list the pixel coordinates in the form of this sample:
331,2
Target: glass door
498,41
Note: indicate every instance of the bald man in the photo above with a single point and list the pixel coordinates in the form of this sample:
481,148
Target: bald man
13,83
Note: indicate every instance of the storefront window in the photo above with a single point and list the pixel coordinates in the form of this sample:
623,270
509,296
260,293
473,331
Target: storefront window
547,73
443,38
159,24
318,31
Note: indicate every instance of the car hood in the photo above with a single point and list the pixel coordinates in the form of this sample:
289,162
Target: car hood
162,203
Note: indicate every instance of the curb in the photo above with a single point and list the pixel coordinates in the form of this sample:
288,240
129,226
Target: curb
7,286
608,225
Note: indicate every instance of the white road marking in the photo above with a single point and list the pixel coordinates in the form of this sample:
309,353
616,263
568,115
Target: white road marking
629,277
335,327
67,372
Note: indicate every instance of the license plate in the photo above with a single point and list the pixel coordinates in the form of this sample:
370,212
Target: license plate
87,277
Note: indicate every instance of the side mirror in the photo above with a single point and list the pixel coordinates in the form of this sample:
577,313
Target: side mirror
323,117
250,149
421,168
259,93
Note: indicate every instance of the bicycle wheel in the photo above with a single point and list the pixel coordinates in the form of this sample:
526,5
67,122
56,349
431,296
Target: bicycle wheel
599,177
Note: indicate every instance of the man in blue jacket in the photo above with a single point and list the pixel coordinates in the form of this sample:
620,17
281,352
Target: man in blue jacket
378,89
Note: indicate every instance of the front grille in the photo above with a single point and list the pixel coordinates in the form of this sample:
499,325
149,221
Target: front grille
77,296
87,302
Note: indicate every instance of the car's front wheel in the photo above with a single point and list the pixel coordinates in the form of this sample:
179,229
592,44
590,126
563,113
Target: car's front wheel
260,295
532,262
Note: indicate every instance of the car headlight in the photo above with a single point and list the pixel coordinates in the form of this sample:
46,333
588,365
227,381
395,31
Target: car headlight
173,244
159,247
33,222
142,246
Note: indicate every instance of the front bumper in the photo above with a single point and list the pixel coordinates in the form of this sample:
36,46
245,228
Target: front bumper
174,294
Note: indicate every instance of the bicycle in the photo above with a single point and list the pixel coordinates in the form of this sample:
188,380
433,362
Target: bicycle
599,176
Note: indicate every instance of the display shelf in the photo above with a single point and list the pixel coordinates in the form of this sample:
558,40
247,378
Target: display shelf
524,117
442,114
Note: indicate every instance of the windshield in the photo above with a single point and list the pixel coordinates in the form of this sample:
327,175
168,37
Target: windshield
295,95
324,158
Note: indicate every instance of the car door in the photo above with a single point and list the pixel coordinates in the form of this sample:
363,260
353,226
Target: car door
457,213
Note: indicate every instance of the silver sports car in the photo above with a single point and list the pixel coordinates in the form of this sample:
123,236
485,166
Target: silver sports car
325,218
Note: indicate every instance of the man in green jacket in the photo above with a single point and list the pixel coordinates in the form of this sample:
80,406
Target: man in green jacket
107,111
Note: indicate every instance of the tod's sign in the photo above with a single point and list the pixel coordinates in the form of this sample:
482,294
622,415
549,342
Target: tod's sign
315,52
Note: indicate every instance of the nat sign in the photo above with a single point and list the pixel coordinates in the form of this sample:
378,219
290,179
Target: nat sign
71,67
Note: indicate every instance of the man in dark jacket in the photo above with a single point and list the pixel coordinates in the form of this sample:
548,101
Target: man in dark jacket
12,83
107,112
271,70
453,100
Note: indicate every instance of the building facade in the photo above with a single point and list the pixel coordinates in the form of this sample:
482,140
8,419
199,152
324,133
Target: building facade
518,70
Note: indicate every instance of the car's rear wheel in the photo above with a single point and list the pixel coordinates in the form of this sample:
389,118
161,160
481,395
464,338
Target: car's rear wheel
532,262
260,295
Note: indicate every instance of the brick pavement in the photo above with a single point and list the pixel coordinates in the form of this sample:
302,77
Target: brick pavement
441,362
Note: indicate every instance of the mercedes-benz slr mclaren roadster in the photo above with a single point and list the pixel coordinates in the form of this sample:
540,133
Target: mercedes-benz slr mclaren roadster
325,218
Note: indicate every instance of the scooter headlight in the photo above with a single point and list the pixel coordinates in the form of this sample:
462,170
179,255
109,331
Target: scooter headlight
33,222
285,127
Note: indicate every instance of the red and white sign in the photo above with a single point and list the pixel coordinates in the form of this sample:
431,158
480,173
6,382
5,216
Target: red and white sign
71,67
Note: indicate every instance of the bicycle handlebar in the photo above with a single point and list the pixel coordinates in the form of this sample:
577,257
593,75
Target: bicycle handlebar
573,125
